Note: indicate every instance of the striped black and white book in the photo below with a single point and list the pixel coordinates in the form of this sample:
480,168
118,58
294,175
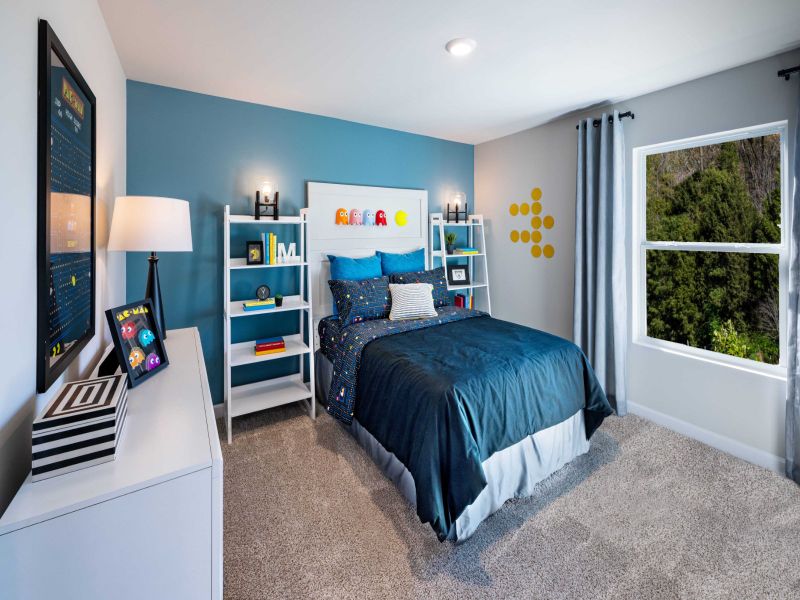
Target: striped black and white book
80,427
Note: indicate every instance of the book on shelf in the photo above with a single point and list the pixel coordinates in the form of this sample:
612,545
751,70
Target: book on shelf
459,300
271,351
259,304
465,251
272,346
270,343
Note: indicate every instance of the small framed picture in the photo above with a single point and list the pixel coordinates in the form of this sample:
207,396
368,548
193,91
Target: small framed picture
255,253
137,340
458,274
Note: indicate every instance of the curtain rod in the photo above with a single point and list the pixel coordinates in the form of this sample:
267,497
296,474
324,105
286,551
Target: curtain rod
596,122
787,73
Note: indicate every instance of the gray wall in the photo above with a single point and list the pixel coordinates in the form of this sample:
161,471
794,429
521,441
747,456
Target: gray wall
738,410
81,28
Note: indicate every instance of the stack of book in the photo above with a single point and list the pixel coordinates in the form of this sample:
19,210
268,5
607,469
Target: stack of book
271,248
272,345
80,426
258,305
462,301
466,251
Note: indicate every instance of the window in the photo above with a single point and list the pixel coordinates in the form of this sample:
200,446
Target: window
712,267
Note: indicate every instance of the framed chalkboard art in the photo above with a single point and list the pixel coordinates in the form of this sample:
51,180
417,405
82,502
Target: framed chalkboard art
137,340
66,210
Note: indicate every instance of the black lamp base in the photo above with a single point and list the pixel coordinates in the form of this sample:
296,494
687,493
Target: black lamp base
153,292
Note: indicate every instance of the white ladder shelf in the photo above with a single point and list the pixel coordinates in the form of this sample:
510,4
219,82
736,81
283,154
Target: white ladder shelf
275,391
476,263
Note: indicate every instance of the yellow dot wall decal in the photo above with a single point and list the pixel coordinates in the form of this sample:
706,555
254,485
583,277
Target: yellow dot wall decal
535,235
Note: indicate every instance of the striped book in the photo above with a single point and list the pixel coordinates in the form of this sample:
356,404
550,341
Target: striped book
465,251
80,426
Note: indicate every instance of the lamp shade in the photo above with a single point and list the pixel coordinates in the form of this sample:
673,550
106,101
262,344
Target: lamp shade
150,224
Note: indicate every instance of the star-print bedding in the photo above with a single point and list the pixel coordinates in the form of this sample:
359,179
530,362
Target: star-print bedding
444,394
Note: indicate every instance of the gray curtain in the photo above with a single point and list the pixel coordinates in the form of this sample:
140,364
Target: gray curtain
793,379
600,298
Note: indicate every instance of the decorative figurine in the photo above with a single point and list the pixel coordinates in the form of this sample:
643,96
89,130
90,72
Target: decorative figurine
355,216
380,218
369,217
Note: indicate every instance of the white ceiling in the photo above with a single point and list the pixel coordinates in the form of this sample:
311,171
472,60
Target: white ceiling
383,62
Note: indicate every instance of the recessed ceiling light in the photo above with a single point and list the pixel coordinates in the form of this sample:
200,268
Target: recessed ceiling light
460,46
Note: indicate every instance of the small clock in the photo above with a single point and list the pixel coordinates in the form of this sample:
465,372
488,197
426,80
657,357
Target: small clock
262,293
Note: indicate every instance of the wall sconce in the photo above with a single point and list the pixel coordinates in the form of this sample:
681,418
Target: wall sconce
458,198
266,191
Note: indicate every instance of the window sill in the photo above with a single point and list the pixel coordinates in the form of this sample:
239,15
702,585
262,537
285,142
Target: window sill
777,372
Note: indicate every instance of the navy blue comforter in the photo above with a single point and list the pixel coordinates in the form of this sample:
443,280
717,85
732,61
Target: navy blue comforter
444,397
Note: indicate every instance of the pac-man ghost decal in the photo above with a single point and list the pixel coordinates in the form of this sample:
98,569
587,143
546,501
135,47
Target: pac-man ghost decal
136,357
146,337
380,218
355,216
369,217
341,217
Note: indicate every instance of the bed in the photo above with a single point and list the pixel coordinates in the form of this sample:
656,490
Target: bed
462,411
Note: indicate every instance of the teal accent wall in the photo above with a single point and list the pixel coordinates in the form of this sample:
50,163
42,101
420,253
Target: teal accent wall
213,151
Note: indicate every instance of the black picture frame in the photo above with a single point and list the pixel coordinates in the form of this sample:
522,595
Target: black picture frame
253,246
457,274
63,327
128,325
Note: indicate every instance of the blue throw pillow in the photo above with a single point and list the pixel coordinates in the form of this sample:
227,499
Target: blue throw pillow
344,267
363,300
435,277
402,263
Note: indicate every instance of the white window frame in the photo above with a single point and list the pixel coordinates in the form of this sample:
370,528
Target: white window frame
641,245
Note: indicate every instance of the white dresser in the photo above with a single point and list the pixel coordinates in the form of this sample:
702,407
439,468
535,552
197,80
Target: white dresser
147,525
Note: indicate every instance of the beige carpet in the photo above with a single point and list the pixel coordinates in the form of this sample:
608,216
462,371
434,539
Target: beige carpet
646,514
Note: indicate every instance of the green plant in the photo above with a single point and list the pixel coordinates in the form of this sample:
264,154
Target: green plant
450,238
278,296
727,340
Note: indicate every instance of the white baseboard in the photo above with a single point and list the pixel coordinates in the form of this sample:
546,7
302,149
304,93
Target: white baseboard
715,440
219,411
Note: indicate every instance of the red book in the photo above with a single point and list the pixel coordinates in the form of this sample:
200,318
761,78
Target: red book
270,346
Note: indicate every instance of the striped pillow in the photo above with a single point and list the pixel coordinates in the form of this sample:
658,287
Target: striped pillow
411,301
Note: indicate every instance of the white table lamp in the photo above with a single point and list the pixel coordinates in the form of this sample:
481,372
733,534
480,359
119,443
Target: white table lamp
151,224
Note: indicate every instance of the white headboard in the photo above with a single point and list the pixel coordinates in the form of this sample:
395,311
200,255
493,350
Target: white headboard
403,233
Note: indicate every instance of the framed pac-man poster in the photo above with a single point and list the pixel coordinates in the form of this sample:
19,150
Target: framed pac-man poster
137,340
66,211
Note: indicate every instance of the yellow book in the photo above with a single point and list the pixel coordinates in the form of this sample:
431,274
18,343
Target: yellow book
271,351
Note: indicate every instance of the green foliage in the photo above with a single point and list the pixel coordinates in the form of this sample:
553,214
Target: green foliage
450,238
722,301
727,340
